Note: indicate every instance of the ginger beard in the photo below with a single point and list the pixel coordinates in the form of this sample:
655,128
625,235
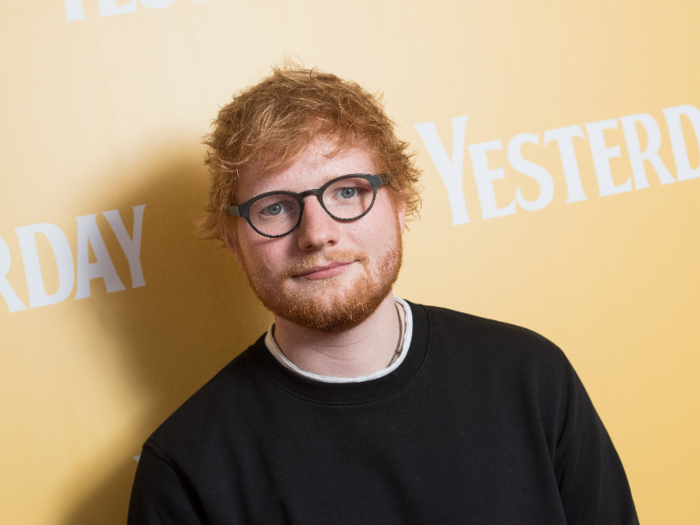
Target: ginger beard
325,305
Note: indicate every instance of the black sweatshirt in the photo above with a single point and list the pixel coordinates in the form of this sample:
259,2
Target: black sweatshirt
483,423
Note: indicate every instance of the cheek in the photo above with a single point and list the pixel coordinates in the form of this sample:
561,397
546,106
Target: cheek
373,237
253,250
270,257
384,226
269,263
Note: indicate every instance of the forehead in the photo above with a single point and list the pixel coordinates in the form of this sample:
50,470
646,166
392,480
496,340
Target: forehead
317,164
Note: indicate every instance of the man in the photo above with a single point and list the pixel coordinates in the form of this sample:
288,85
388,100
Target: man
357,407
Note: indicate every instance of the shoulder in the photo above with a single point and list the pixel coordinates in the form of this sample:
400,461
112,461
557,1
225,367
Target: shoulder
201,418
491,345
508,370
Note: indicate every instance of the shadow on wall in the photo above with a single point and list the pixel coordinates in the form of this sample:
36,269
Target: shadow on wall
194,315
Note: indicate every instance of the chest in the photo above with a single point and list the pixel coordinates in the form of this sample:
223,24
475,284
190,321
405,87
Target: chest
458,457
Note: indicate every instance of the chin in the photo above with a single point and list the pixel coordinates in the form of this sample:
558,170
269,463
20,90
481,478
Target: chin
336,303
331,316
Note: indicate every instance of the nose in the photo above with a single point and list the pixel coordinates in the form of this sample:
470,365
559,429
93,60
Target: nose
316,229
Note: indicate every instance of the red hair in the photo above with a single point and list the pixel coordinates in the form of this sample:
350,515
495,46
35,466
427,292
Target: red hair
271,123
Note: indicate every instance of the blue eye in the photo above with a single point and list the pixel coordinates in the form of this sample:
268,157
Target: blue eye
348,193
274,209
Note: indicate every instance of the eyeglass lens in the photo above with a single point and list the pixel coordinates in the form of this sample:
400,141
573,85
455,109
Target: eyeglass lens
279,213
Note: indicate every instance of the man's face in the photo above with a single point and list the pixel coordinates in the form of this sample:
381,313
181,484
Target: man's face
326,275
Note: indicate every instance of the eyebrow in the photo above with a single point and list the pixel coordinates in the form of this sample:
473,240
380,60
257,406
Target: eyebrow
327,179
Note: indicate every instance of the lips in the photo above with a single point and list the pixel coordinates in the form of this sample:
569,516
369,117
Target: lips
322,271
322,265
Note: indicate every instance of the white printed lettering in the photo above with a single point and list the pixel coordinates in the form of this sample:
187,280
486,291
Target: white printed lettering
88,232
74,10
131,245
450,170
8,293
537,172
675,130
651,153
156,4
601,158
484,180
32,267
564,137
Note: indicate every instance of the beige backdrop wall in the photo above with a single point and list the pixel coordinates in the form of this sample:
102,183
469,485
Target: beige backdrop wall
562,179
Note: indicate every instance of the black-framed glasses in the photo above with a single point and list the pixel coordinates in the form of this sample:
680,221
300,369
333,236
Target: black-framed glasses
278,213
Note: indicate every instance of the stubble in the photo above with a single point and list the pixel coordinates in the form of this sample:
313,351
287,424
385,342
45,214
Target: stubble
327,305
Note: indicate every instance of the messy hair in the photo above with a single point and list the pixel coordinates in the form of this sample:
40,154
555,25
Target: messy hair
269,125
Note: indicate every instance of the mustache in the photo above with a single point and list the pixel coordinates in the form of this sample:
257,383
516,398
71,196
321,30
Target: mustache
317,259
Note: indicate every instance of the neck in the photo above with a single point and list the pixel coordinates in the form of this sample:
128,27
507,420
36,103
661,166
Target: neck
362,350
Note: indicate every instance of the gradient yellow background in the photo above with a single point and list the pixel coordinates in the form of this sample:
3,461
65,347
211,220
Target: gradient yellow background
107,112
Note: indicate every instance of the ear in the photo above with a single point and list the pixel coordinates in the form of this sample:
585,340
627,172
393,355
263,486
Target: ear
231,243
400,207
